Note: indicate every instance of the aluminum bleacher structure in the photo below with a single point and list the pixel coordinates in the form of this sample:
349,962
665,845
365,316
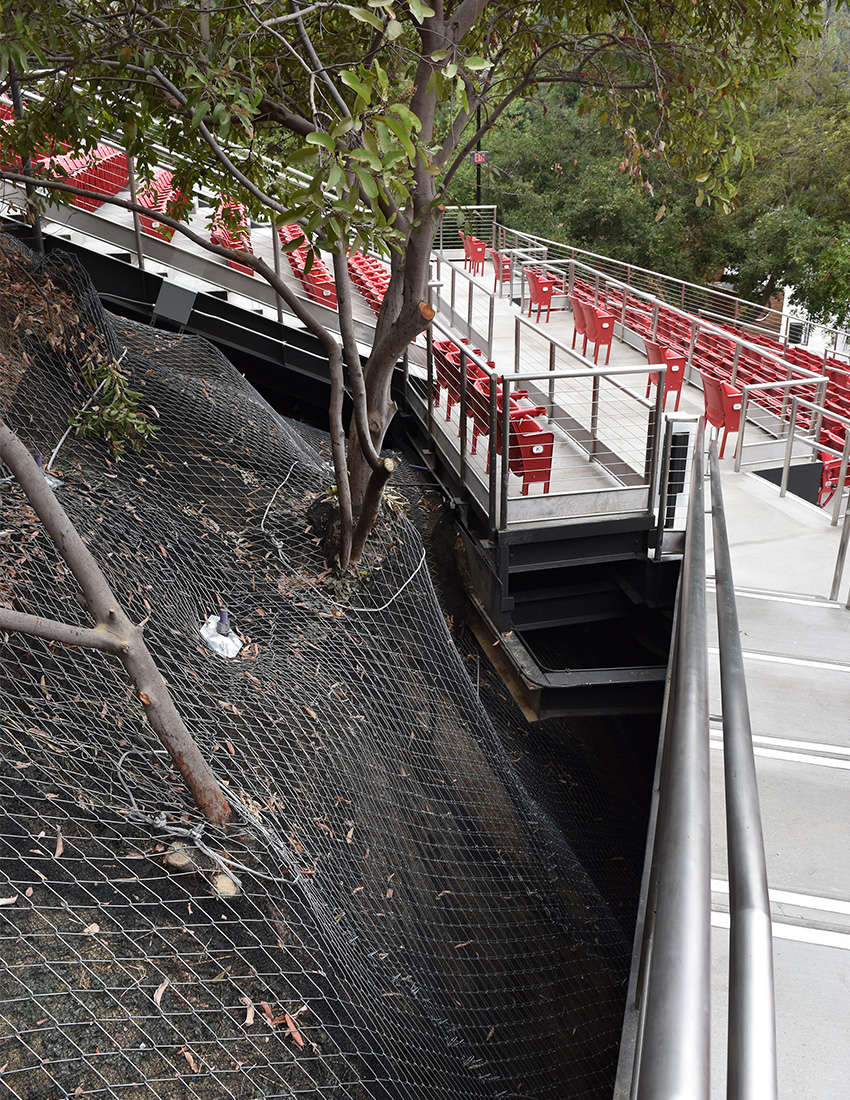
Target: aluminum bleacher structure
576,510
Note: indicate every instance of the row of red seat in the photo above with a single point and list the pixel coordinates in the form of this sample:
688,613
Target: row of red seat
530,445
317,281
162,197
718,356
231,228
370,277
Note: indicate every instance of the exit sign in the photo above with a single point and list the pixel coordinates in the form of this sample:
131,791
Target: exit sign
479,156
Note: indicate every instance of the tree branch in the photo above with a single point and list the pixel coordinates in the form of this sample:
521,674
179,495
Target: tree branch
124,639
54,631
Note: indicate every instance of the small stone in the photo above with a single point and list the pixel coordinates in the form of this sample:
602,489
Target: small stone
224,886
181,856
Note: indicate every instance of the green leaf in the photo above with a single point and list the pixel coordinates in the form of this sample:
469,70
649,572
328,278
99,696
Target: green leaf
394,30
344,126
318,137
351,80
303,155
440,55
203,108
407,116
475,64
403,136
420,11
366,181
366,16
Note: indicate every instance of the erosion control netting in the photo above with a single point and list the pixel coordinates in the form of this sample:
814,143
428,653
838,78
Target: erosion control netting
407,921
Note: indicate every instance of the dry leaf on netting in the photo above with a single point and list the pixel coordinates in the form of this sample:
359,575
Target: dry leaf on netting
157,997
249,1005
292,1028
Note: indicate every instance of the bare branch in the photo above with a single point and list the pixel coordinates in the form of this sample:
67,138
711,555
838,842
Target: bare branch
127,639
54,631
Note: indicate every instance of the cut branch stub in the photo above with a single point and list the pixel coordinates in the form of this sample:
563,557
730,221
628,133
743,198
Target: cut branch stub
114,633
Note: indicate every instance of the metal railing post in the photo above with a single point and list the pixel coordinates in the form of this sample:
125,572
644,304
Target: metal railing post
496,521
842,475
789,446
840,559
751,1046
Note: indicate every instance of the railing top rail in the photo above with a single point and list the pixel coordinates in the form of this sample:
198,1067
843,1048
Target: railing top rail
815,407
673,1058
751,1049
585,371
709,326
709,292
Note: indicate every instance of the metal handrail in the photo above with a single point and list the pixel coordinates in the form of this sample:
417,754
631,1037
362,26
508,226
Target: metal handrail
751,1039
669,996
672,1058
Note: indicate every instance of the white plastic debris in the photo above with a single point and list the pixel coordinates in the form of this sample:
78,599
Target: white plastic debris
219,637
53,482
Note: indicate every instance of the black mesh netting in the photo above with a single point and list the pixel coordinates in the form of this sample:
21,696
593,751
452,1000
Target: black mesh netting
409,921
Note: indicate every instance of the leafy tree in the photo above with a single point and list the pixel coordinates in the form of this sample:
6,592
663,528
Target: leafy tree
555,172
790,222
376,106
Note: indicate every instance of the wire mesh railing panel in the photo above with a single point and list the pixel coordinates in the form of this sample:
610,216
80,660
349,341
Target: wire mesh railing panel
393,912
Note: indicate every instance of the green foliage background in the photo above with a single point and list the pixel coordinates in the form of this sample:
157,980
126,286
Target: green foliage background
559,173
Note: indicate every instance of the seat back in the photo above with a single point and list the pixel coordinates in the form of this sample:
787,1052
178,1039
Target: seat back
530,453
654,353
579,316
715,412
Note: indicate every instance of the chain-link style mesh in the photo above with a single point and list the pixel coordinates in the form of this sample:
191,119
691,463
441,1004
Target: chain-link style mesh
393,912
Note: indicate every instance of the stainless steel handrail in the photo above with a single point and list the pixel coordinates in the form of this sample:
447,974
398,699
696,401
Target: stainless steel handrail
669,1004
673,1052
751,1040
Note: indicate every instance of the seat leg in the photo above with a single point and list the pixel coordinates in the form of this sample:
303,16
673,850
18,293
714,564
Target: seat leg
678,399
608,356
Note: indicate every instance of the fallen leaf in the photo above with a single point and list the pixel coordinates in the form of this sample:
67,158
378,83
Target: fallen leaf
249,1015
187,1054
60,844
9,901
145,698
267,1012
160,989
90,929
292,1028
312,713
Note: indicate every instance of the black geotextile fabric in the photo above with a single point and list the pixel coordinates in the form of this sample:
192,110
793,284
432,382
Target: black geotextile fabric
408,919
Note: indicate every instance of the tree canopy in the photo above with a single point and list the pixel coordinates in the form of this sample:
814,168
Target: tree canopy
354,120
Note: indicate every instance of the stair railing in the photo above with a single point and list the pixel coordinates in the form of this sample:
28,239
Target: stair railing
665,1054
